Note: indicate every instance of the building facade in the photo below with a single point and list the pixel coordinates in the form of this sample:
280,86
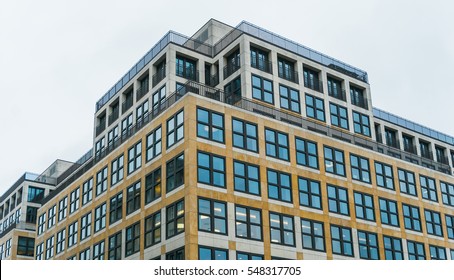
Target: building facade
237,143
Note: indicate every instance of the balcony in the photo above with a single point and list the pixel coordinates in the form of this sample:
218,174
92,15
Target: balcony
443,159
231,67
263,65
410,149
393,142
126,104
314,84
114,115
192,75
159,76
360,102
213,80
426,154
100,128
140,92
338,93
291,76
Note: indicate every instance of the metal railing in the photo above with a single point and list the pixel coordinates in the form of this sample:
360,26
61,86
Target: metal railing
190,75
360,102
291,76
140,92
114,115
411,149
263,65
315,84
393,142
231,67
213,80
427,154
100,127
159,75
338,93
126,104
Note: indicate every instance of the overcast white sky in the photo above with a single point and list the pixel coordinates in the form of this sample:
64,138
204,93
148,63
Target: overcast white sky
57,58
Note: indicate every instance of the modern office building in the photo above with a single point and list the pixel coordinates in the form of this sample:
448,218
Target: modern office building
237,143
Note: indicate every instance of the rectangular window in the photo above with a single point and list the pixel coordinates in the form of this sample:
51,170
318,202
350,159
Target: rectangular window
154,144
74,200
248,256
289,98
141,112
116,208
117,170
334,161
84,254
407,182
31,214
335,88
112,136
286,70
437,253
211,169
313,235
315,108
306,153
338,200
341,241
126,124
61,240
175,219
175,173
450,226
159,97
364,206
368,245
282,230
50,248
39,251
412,219
279,185
393,248
447,193
360,168
100,217
428,188
416,250
153,229
309,193
34,194
277,144
85,226
186,68
259,60
98,251
388,212
72,234
135,157
132,239
25,246
115,246
133,198
248,222
8,247
262,89
433,223
100,146
361,123
41,223
51,216
207,253
311,79
210,125
175,129
357,97
385,176
153,186
212,216
101,181
177,254
246,177
87,191
339,115
245,135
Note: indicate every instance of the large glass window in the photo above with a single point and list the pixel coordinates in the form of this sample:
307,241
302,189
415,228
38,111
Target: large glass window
72,234
35,194
115,246
393,248
135,157
450,226
211,169
245,135
210,125
25,246
385,176
368,245
175,219
186,68
61,238
416,250
279,185
87,191
154,144
428,188
62,208
262,89
341,241
133,198
85,226
208,253
447,193
412,218
315,107
74,200
313,235
98,251
334,161
289,98
282,230
153,186
339,116
364,206
132,239
51,216
361,123
101,181
309,193
259,60
117,170
116,208
248,256
177,254
153,229
246,177
212,216
360,168
407,182
175,173
100,217
49,248
248,222
388,212
277,144
433,223
175,129
306,153
338,200
437,253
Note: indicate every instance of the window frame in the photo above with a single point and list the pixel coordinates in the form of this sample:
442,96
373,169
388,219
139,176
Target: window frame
340,203
153,144
210,125
211,169
312,105
150,231
178,171
281,229
279,186
364,207
277,145
336,117
410,218
392,248
245,136
135,157
289,99
101,181
264,94
133,199
305,153
335,161
213,218
311,195
173,131
133,239
342,241
358,124
153,185
382,173
313,235
248,222
390,216
175,219
246,177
